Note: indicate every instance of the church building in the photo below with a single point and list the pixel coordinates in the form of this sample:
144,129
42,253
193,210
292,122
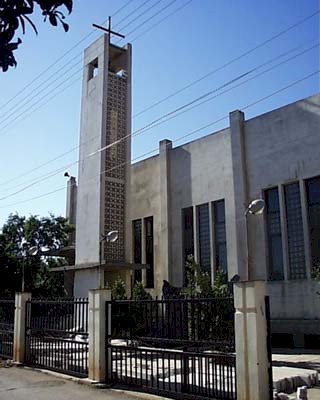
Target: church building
192,199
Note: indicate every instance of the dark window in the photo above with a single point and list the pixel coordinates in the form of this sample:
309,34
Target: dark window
275,271
220,241
204,238
149,251
297,267
187,217
313,196
187,236
93,69
137,249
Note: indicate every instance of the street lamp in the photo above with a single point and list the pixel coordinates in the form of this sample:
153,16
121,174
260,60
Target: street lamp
110,237
256,207
29,251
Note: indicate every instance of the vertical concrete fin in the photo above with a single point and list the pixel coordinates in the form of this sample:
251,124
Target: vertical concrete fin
240,187
165,147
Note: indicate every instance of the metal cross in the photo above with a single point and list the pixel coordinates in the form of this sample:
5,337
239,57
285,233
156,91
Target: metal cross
108,30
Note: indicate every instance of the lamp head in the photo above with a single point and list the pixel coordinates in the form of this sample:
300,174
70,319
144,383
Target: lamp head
256,207
112,236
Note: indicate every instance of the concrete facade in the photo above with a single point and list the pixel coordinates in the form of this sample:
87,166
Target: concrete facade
237,164
104,169
232,166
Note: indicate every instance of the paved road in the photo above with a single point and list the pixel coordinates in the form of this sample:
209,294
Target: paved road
23,384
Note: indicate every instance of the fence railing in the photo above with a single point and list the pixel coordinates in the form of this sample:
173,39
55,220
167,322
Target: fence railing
205,321
7,307
57,335
182,346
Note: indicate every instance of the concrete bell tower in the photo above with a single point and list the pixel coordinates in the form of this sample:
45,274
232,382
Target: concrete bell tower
104,162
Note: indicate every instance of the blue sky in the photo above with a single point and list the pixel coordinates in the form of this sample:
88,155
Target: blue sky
202,36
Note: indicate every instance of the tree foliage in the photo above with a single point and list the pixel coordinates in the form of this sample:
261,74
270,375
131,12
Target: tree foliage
15,15
199,282
118,290
18,235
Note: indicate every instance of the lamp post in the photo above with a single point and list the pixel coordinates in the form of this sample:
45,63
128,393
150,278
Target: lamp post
256,207
110,237
26,252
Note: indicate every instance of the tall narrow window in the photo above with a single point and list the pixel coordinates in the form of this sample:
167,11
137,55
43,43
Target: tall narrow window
149,252
275,270
220,241
137,249
313,196
297,267
204,238
187,235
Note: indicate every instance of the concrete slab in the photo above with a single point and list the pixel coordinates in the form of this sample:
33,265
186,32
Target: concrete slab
287,380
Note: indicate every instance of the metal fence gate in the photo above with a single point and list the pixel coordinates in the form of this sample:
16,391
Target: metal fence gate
178,347
7,307
57,335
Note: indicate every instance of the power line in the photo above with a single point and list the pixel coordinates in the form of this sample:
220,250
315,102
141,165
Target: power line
174,113
233,60
40,86
211,72
59,59
29,99
141,14
180,138
149,19
161,20
230,89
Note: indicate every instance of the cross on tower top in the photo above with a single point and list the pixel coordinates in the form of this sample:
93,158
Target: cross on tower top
109,30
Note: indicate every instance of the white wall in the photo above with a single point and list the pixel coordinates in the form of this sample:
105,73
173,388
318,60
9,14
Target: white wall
281,146
92,134
201,172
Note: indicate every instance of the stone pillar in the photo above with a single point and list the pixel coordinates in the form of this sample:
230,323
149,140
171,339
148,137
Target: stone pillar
240,188
19,338
165,248
97,334
251,341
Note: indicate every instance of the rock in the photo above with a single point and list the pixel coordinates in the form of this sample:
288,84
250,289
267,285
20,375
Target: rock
302,393
280,396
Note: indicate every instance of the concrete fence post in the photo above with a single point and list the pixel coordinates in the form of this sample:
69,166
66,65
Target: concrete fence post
19,337
251,341
97,334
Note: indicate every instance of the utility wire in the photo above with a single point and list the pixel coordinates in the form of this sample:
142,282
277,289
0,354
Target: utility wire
233,60
39,89
211,72
178,139
149,19
9,125
194,82
141,14
174,114
60,58
161,20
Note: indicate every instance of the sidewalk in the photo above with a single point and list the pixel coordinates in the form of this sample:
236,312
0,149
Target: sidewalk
24,384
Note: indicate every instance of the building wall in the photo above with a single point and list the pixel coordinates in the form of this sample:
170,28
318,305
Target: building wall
282,146
237,164
92,138
145,202
201,172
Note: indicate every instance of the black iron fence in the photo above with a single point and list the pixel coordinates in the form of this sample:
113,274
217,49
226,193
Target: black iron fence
177,346
57,335
7,307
